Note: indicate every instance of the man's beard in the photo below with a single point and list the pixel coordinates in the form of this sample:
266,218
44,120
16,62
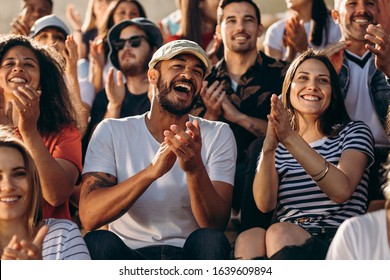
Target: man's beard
177,109
132,69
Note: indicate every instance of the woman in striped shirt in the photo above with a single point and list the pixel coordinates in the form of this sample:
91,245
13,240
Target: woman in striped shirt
313,168
23,235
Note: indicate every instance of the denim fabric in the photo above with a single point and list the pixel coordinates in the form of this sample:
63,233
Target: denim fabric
206,244
378,85
202,244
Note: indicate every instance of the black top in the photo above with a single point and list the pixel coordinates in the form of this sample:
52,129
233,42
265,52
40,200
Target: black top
132,105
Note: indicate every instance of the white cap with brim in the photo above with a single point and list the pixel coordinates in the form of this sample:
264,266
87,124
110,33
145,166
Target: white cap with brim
50,21
174,48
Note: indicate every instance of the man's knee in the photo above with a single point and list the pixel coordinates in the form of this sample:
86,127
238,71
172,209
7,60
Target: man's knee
104,245
206,243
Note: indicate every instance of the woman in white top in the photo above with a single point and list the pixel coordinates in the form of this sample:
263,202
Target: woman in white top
307,24
365,237
23,235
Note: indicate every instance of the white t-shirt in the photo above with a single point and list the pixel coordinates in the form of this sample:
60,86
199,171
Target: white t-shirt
361,238
358,101
274,35
162,214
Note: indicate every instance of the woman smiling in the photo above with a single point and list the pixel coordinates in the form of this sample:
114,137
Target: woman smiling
34,100
313,168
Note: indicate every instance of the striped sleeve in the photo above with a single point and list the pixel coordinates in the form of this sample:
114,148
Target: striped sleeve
64,241
359,137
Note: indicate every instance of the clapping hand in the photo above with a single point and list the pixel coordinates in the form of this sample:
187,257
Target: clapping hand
186,145
380,47
25,250
212,96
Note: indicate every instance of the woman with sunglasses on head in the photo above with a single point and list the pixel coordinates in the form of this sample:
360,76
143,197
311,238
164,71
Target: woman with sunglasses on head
23,234
313,168
35,101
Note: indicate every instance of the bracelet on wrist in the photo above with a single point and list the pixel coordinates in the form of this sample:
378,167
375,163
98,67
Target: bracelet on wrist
322,170
324,173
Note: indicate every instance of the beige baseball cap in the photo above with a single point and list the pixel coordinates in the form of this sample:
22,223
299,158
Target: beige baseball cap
174,48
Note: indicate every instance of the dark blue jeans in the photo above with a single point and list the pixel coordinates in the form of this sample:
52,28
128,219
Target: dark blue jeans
202,244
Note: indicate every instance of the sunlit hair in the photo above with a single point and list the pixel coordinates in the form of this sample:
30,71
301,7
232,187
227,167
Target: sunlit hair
335,117
33,215
90,17
55,106
223,3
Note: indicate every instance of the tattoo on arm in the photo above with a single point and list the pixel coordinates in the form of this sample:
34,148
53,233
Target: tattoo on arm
97,180
255,130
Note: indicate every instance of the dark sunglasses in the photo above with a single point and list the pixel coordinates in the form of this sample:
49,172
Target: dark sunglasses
134,42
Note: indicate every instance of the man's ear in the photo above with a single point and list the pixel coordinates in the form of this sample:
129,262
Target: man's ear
336,16
218,32
153,76
260,30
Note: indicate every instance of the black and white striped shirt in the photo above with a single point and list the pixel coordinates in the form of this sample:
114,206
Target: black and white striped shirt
300,197
64,241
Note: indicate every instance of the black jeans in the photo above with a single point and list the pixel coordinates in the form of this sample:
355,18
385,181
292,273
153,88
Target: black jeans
315,248
202,244
251,216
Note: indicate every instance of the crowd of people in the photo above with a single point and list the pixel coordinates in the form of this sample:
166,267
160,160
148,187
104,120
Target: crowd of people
127,139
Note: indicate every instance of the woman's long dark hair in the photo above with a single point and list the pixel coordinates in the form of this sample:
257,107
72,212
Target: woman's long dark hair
320,16
55,106
190,21
335,117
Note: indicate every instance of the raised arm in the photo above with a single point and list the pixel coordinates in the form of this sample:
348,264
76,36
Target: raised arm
380,47
257,127
58,175
339,181
265,184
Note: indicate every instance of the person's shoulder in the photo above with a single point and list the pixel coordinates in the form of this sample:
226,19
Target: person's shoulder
206,122
277,25
270,62
356,125
126,120
365,221
212,126
356,128
60,224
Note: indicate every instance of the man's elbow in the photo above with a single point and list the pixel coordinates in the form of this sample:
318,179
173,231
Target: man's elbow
88,221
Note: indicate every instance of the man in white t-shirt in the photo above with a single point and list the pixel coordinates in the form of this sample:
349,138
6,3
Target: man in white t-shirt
162,181
363,60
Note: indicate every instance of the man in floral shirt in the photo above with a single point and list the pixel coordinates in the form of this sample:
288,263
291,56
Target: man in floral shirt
238,92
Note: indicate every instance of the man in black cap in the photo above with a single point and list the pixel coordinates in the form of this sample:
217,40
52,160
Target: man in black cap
132,44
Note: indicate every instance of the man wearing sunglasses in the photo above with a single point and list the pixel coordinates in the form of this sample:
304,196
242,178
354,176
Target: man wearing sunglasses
163,181
132,44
